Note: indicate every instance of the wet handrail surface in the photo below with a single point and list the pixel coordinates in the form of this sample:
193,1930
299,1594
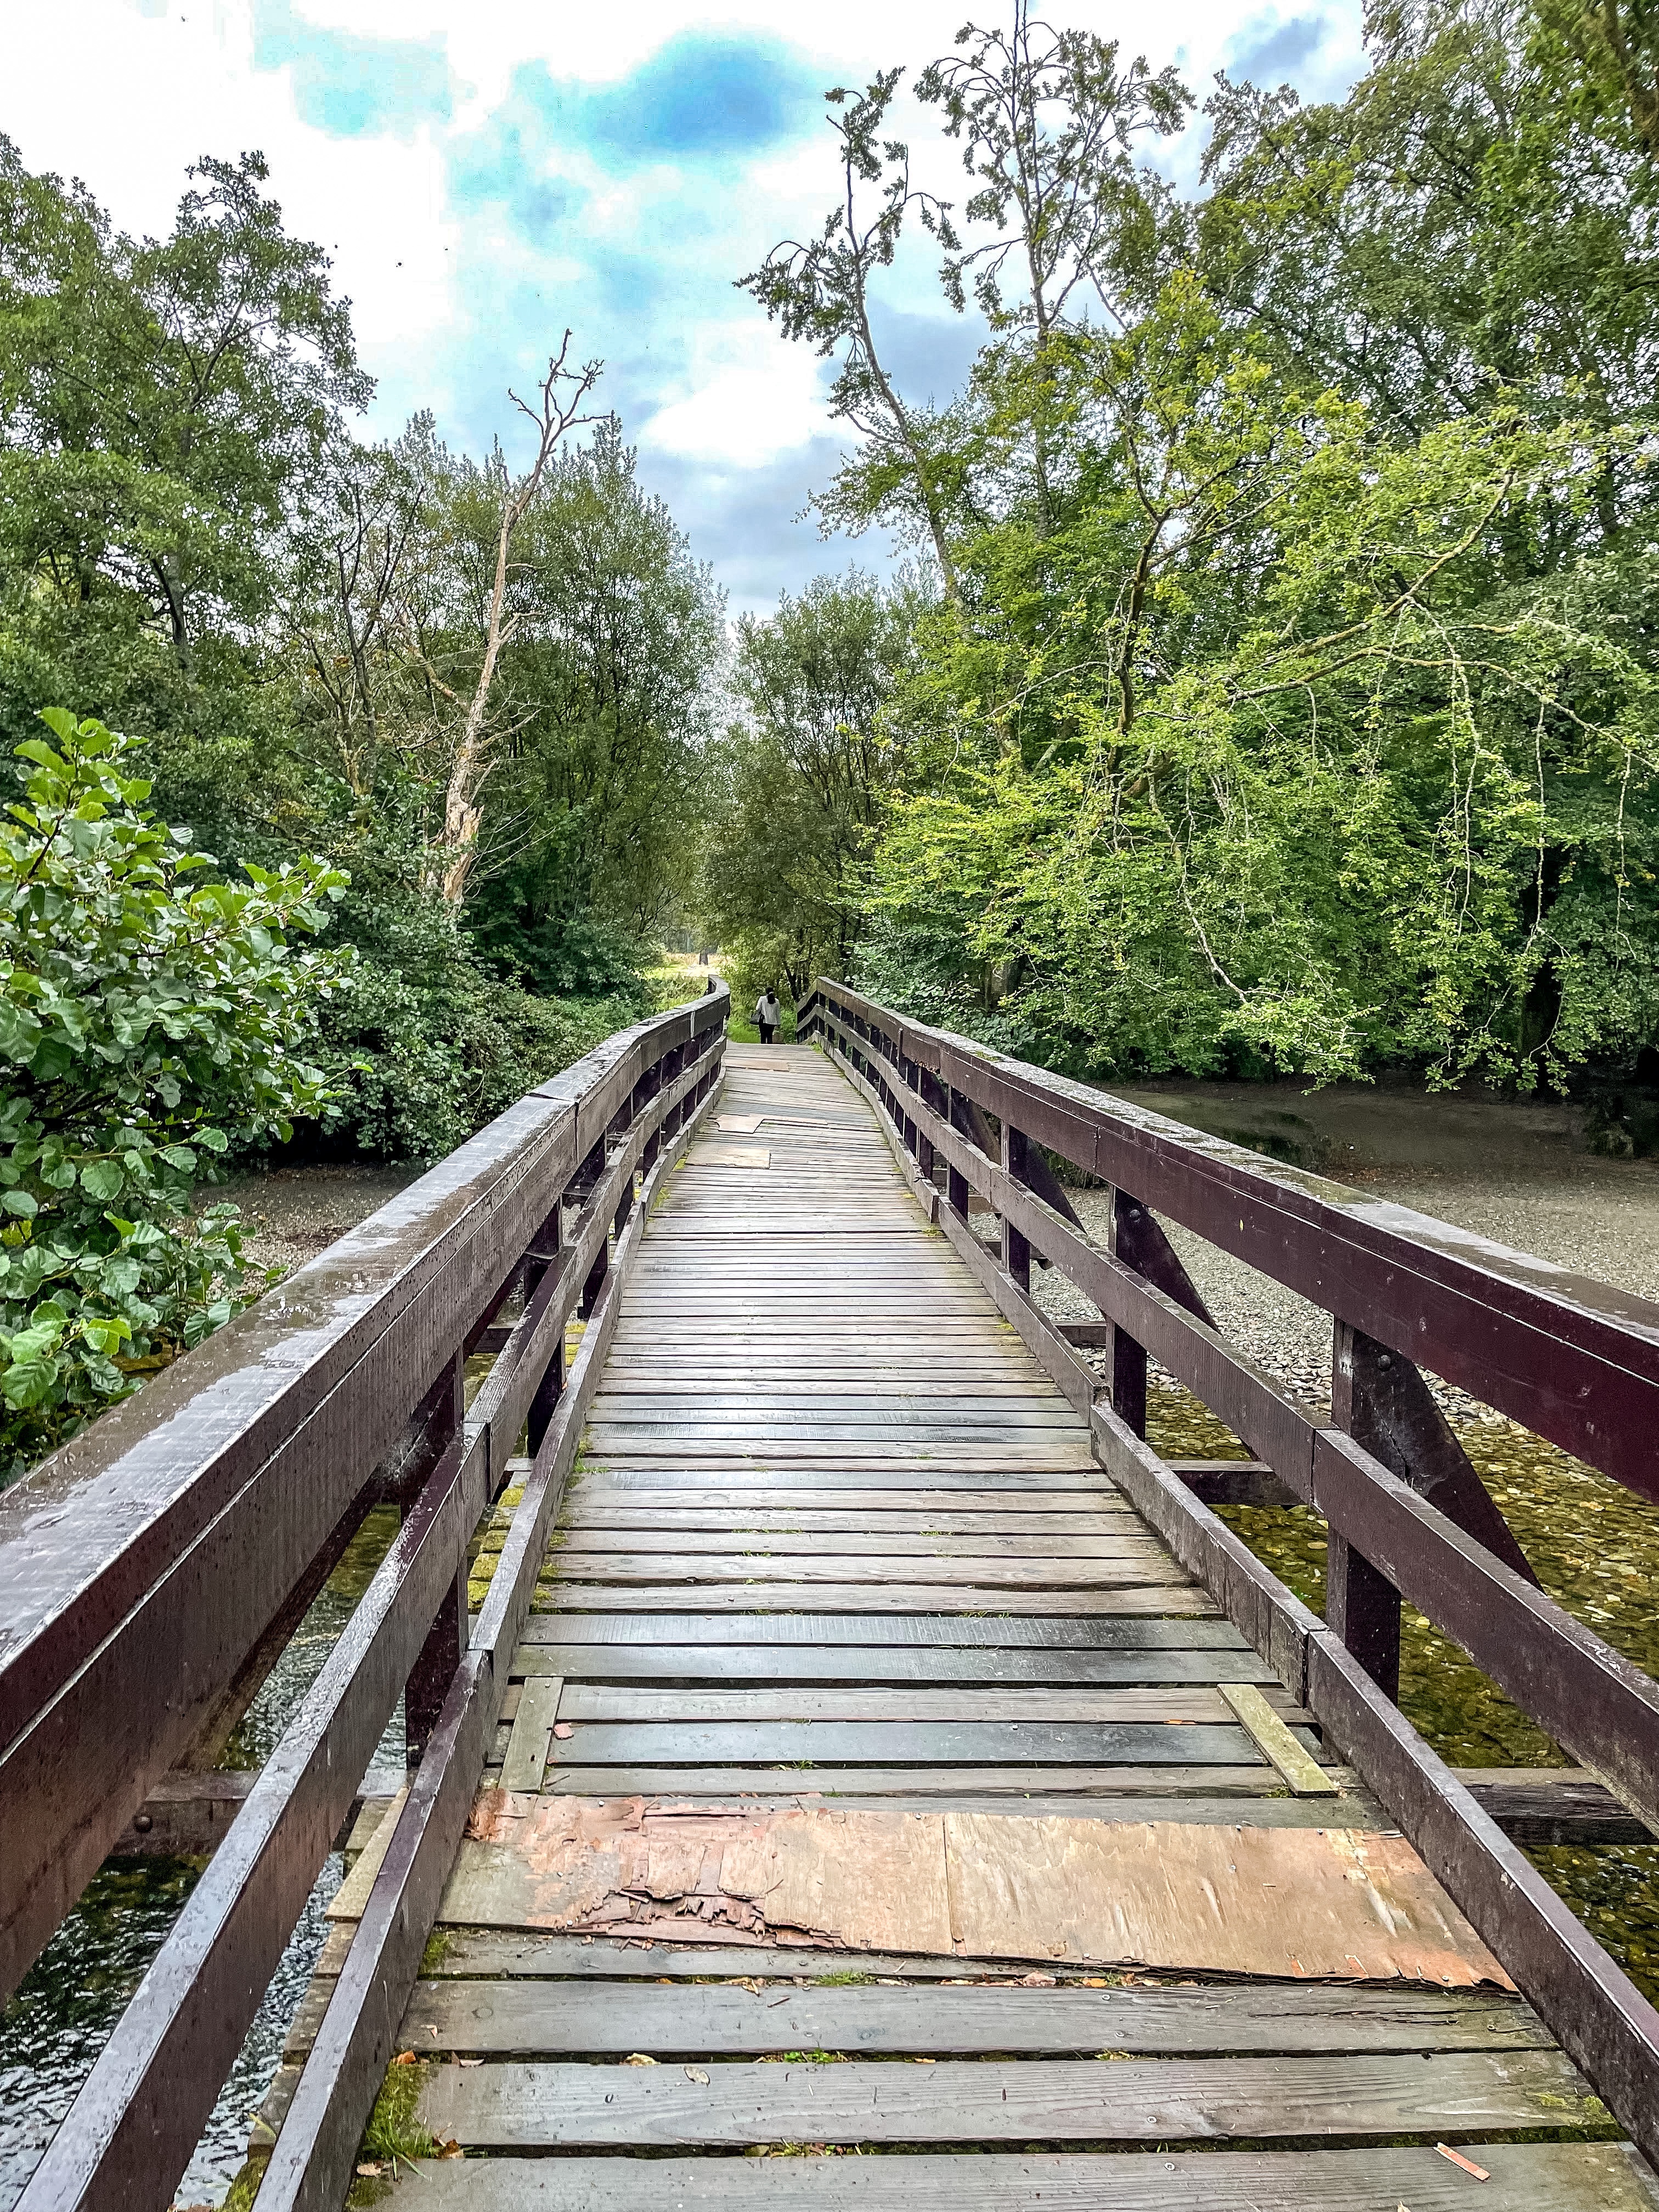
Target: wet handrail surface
140,1564
1406,1512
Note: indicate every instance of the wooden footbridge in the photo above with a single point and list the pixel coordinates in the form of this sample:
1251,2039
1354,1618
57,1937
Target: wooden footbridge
849,1768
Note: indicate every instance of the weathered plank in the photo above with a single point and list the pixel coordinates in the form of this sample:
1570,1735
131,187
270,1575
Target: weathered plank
1251,1707
892,1743
890,1782
532,1728
494,2018
985,1572
531,2105
873,1664
900,1629
1167,1706
1525,2178
889,1598
691,1546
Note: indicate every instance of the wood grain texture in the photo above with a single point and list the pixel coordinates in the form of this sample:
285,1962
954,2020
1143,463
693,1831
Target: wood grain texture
1525,2178
490,2019
532,2105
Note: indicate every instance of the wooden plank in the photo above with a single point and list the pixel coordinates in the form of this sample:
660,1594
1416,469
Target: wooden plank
1544,1805
1088,1518
590,1499
500,2018
1303,1773
887,1598
532,1728
1175,1784
865,1664
548,2105
1544,2177
850,1477
892,1743
904,1630
687,1547
989,1571
609,1702
1027,1459
347,1901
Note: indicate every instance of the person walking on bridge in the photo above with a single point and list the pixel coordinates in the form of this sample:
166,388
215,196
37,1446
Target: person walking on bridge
768,1014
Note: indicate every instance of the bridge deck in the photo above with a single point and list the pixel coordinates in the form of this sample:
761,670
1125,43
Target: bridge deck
863,1730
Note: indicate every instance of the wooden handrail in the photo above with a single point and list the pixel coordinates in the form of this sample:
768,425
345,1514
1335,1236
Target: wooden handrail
1575,1359
143,1563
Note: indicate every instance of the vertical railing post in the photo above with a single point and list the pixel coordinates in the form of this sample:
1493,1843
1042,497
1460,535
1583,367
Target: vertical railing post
913,1139
1362,1606
443,1410
1016,1247
934,1091
619,1127
1126,1359
918,1083
958,1190
649,1085
548,1246
671,1064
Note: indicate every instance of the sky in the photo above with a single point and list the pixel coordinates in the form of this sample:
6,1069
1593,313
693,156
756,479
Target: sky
485,175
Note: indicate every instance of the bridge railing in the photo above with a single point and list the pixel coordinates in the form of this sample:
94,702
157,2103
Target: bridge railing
1409,1517
152,1570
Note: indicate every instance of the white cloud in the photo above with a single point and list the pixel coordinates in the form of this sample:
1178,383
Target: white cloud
752,397
451,302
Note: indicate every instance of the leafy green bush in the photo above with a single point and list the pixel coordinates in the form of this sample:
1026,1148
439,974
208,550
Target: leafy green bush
427,1042
151,1017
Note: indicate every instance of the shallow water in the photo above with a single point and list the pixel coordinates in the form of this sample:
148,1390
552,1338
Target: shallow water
66,2007
1596,1549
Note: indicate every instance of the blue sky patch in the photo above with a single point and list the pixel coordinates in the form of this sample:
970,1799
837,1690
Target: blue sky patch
704,97
351,87
1269,53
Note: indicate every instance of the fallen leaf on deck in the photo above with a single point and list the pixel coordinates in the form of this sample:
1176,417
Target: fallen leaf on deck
1035,1981
404,2058
697,2074
472,2061
563,1730
369,2172
638,2058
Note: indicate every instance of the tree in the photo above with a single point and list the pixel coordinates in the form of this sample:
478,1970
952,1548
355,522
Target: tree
1311,783
595,805
164,404
804,776
1084,216
556,415
820,290
154,1014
